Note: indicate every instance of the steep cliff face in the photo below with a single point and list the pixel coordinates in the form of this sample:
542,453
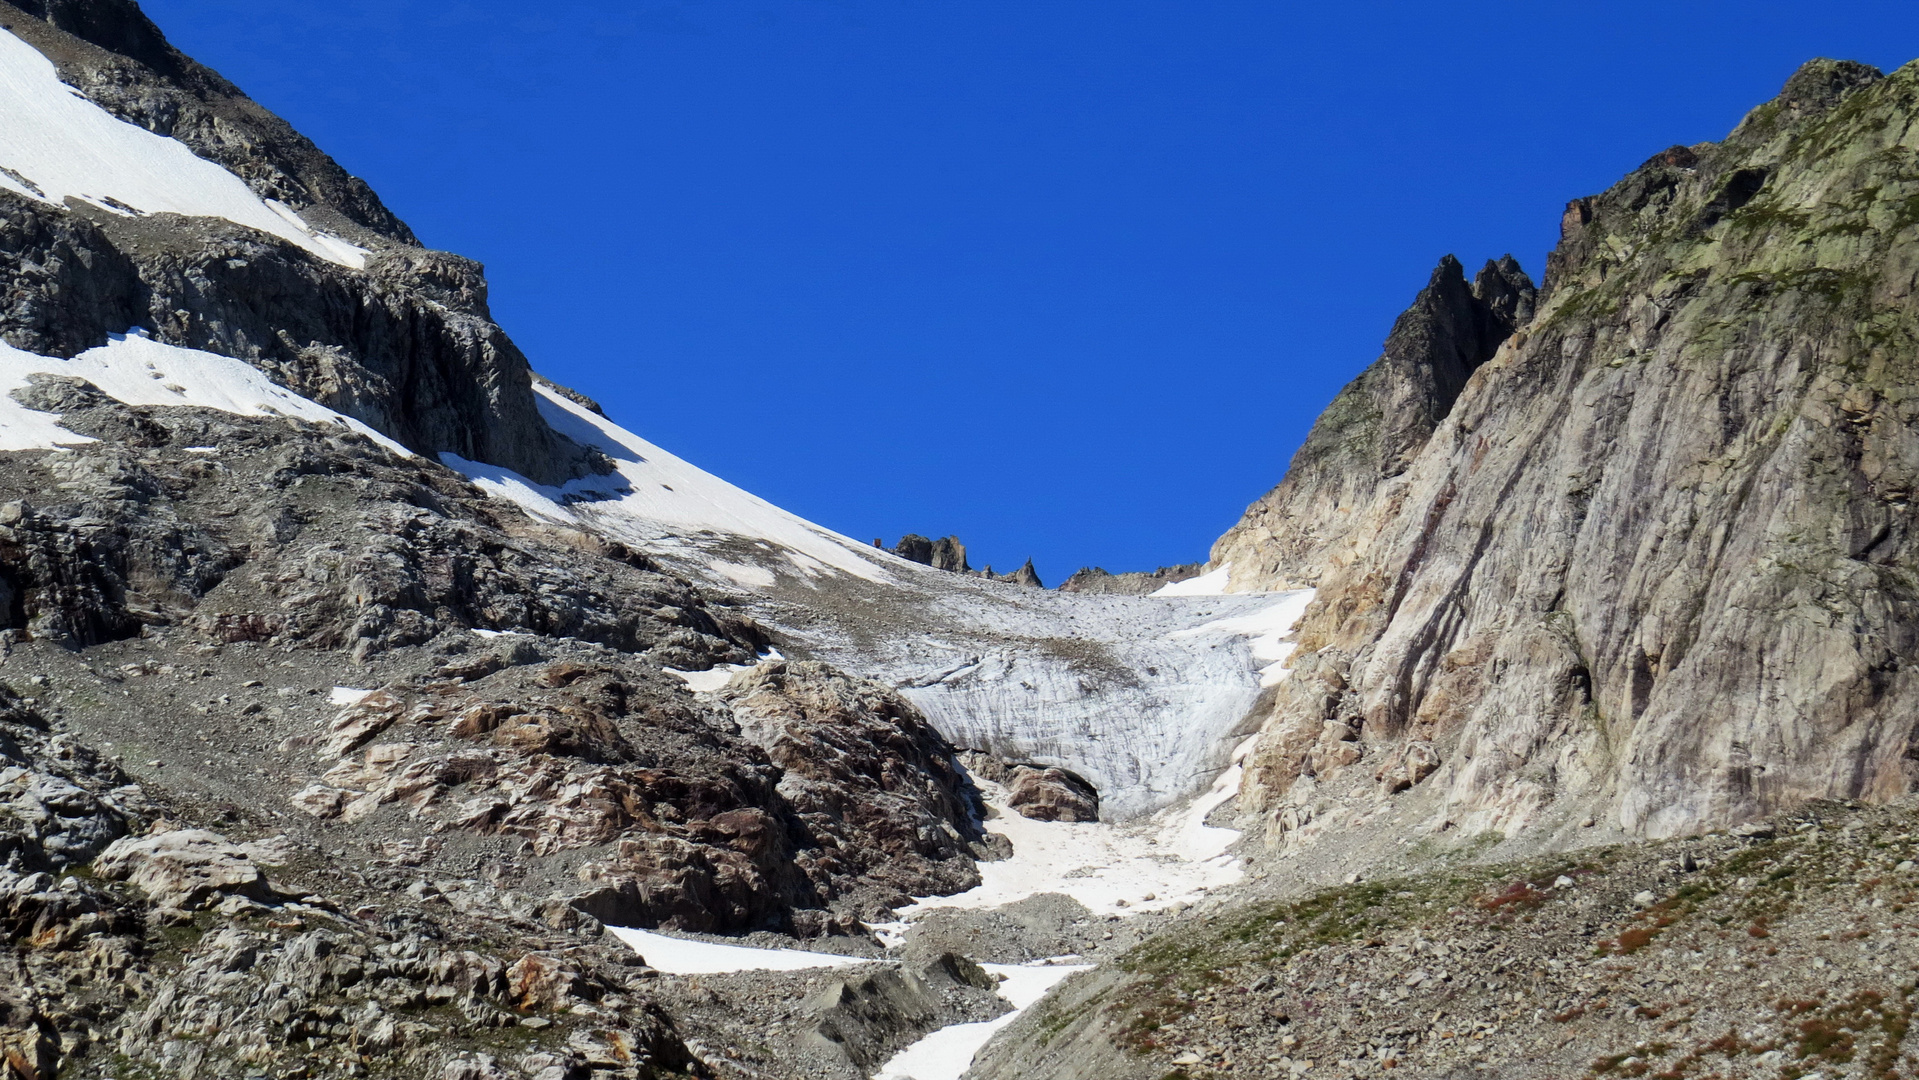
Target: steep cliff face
334,298
1657,563
1376,427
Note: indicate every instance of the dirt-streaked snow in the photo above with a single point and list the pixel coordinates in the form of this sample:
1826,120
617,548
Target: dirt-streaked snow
140,371
55,144
685,956
1269,630
946,1053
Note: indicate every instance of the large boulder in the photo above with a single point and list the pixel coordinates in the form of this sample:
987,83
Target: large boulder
1048,793
183,868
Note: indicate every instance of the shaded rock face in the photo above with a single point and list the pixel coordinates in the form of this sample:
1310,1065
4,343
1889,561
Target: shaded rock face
874,785
406,345
1376,426
61,805
336,542
1094,579
1657,563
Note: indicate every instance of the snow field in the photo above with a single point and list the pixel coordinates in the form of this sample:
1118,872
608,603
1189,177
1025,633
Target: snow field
1269,630
1211,583
946,1053
56,145
660,501
685,956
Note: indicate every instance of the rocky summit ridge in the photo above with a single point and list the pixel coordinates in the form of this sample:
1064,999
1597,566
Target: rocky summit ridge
370,706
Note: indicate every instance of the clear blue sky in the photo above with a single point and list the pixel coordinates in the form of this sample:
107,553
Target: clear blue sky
1069,279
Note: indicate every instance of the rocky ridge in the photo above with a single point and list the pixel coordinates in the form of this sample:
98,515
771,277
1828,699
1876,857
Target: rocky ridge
947,553
1687,476
1094,579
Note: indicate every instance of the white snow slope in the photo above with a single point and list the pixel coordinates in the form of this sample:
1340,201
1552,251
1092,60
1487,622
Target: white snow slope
688,956
658,502
56,145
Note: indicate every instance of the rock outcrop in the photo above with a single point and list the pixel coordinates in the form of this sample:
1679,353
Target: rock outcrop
1050,793
947,553
1656,564
1094,579
1376,427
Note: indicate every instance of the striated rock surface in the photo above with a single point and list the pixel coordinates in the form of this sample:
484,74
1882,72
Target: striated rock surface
1656,565
1375,427
182,868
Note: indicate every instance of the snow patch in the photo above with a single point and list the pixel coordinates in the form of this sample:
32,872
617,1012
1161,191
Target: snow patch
710,680
757,577
684,956
947,1053
658,501
346,695
1211,583
1172,859
55,145
1185,832
136,370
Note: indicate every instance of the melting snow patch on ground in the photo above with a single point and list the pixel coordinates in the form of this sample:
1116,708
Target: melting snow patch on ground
56,144
345,695
140,371
684,956
946,1053
659,501
1112,869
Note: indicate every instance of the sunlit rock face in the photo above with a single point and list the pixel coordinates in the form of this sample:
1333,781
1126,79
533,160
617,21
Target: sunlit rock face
1655,565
